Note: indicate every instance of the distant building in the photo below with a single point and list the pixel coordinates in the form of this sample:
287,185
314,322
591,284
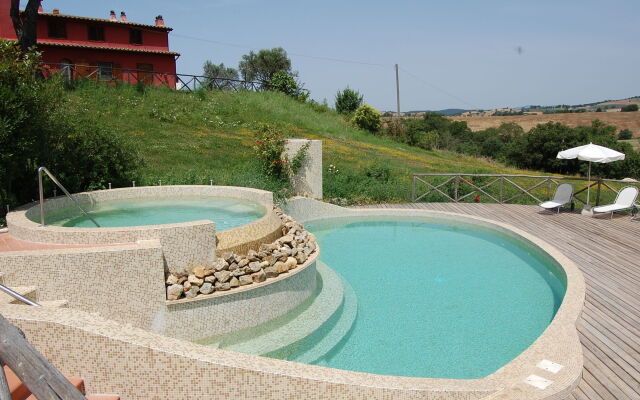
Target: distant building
112,49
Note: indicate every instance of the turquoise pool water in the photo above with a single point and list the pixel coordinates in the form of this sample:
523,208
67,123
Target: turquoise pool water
437,299
226,213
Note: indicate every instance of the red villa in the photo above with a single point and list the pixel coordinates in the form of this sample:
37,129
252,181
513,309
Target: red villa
105,49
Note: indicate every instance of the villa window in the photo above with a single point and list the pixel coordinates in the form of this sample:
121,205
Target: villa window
96,33
135,36
105,71
57,29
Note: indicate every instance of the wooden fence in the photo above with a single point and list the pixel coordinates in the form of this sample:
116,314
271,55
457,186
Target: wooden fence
114,75
505,189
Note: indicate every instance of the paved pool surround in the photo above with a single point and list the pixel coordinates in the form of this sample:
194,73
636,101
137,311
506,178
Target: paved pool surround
140,364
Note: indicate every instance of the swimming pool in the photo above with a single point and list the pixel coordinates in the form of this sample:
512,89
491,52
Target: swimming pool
435,298
227,213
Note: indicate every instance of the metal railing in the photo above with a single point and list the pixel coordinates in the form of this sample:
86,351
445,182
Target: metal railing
66,192
508,188
186,82
18,296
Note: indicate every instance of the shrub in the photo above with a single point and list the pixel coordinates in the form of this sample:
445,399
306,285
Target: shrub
367,118
629,108
348,101
38,128
284,82
270,152
625,134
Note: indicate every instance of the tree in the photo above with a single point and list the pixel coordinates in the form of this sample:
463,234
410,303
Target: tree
284,82
261,66
218,75
625,134
367,118
630,108
25,25
348,101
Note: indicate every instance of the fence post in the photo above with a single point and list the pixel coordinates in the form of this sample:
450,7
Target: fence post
413,189
456,187
598,192
501,188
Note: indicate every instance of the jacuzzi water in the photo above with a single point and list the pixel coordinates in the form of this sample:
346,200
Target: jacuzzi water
437,299
226,213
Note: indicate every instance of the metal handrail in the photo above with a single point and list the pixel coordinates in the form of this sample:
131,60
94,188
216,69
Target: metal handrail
66,192
18,296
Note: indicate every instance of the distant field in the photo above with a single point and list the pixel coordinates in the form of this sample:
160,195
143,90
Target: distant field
626,120
633,142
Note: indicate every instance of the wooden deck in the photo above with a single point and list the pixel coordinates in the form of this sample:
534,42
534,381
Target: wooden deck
608,254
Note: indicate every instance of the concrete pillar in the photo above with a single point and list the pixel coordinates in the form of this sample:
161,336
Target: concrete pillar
308,181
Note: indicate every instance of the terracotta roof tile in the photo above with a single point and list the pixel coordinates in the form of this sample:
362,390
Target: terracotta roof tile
83,46
104,20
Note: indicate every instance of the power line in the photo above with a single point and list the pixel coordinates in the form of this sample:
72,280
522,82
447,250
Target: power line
432,86
289,53
333,59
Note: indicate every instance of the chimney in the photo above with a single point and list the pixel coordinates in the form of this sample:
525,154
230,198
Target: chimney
112,16
56,11
159,21
123,16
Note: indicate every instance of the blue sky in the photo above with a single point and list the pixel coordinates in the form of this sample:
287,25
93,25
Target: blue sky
452,54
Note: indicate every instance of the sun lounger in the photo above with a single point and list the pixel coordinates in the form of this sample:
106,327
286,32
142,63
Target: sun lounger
563,196
625,200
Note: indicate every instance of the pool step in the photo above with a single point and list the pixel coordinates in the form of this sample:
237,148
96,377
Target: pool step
329,336
282,332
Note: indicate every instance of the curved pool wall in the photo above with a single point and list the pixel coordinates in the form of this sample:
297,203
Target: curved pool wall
99,342
558,343
183,244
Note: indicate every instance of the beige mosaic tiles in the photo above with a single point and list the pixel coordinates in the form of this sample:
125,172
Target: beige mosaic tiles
122,283
141,365
223,312
184,244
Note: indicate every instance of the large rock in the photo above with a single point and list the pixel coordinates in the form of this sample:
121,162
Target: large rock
286,239
280,267
234,282
194,280
199,272
223,276
186,286
301,258
210,278
206,288
271,272
174,292
243,263
222,286
291,263
259,276
238,272
245,280
193,292
220,265
254,267
172,280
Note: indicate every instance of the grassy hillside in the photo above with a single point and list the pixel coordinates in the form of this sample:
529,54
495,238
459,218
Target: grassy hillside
192,138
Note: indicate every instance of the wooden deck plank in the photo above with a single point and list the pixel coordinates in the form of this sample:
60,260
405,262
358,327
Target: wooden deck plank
608,253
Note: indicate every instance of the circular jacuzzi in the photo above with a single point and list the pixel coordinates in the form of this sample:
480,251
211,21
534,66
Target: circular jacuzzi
227,213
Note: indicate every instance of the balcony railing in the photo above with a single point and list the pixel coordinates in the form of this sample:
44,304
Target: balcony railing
96,73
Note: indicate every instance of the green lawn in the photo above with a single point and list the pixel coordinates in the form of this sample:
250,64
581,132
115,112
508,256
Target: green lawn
193,138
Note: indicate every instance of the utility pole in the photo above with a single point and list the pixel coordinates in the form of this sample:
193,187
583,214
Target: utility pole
398,90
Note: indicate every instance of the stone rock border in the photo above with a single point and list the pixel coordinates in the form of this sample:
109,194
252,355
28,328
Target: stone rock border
232,270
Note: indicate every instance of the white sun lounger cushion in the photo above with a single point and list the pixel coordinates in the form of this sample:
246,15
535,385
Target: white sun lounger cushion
625,200
562,196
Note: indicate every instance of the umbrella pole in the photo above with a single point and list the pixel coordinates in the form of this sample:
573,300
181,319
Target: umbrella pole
589,187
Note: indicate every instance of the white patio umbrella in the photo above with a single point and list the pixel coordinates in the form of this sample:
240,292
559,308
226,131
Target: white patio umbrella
592,153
